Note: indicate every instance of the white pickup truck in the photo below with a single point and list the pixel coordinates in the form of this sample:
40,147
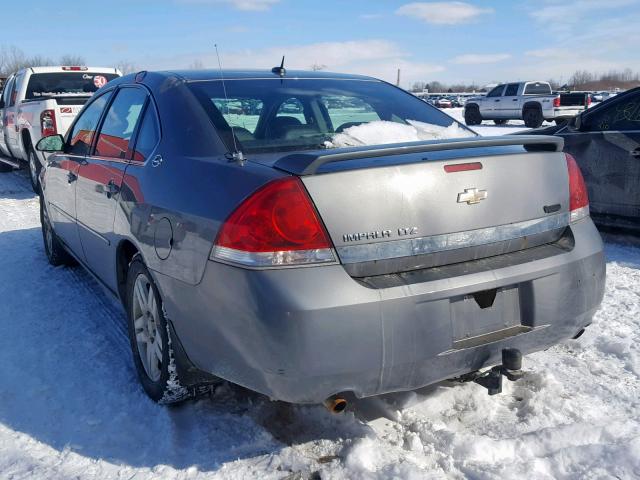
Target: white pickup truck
533,102
41,101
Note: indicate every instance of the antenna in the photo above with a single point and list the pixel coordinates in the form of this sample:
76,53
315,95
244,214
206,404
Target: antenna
280,70
236,155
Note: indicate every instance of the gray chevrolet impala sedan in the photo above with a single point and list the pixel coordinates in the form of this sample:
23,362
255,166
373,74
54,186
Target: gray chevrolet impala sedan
316,236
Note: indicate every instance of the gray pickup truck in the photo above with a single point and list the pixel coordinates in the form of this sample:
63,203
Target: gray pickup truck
533,102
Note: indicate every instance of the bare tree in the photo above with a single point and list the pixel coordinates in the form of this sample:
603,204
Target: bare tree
316,67
196,65
126,67
72,60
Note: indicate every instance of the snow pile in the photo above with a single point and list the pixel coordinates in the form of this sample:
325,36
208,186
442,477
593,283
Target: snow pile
382,132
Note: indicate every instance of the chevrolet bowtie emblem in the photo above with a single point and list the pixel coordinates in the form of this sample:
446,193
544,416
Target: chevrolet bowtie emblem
471,196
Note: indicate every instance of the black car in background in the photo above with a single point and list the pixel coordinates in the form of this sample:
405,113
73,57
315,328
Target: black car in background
605,141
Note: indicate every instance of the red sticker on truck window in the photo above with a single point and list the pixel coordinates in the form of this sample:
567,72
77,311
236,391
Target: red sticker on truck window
66,110
99,81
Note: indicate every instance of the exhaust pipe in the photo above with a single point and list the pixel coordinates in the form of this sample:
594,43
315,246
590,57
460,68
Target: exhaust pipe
335,404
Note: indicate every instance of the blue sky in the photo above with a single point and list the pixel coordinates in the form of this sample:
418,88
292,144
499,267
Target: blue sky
446,41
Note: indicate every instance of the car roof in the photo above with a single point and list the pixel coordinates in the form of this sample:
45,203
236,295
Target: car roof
216,74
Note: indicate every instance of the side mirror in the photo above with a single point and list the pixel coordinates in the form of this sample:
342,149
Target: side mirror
52,143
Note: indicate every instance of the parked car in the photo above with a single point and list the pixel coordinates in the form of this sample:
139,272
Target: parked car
443,102
532,102
306,273
42,101
605,140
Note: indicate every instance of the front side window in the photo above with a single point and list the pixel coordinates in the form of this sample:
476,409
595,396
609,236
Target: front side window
80,136
307,114
496,92
120,122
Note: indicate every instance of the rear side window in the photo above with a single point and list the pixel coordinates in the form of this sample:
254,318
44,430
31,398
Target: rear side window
80,137
120,122
619,116
66,83
537,88
148,136
512,90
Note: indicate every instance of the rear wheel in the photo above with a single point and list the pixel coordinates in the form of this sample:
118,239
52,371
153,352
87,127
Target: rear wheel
500,122
56,253
532,117
149,336
34,169
472,116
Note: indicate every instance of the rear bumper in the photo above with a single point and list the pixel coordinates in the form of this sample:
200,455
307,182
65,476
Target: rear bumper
565,112
303,334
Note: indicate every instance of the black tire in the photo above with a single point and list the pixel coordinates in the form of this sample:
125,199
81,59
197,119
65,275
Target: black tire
472,116
561,121
55,251
166,388
532,117
501,121
34,167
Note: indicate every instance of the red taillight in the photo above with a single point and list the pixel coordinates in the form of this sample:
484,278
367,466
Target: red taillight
462,167
556,102
578,197
276,226
48,123
74,69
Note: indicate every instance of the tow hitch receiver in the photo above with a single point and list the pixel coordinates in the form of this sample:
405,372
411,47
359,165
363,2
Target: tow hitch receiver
511,368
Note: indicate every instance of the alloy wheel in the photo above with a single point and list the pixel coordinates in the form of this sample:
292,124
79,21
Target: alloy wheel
147,327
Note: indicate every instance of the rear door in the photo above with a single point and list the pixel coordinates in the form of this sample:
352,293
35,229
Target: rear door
608,153
13,111
100,180
510,104
61,173
4,118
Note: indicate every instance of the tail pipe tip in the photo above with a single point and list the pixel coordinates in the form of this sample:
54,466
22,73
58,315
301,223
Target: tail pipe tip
335,404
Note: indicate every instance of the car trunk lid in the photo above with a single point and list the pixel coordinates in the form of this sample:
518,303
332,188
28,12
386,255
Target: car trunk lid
401,208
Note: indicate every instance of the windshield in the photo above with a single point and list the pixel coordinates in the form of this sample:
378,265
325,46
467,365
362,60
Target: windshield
69,83
272,115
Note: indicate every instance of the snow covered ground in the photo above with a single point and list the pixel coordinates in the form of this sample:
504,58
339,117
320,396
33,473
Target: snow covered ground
71,407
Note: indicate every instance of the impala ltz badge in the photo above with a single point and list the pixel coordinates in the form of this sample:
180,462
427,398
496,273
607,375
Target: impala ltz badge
471,196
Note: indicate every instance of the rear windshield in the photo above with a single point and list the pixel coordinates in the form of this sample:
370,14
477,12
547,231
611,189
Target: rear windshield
537,89
65,83
273,115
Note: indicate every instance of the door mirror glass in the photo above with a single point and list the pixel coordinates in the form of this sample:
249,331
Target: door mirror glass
52,143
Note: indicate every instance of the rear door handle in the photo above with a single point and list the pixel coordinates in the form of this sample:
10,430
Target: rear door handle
515,99
496,100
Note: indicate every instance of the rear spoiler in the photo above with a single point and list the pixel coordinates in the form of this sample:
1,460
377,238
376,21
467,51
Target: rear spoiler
309,163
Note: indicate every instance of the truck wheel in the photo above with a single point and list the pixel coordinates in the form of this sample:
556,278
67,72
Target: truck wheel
501,121
56,254
532,117
472,116
34,170
149,336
